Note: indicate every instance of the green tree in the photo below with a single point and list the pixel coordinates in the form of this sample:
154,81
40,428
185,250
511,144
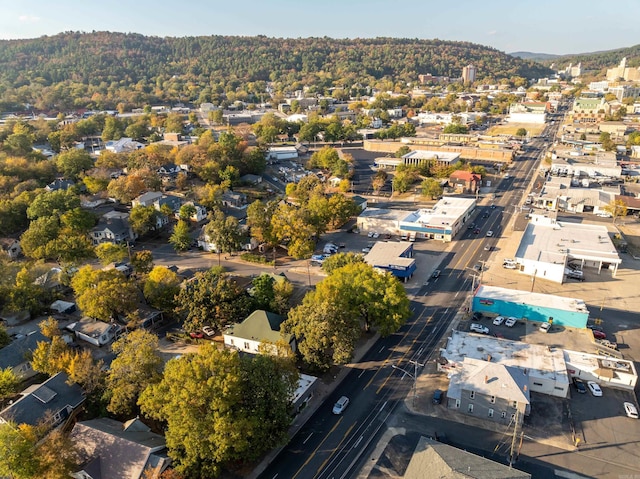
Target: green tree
143,219
224,232
293,226
403,150
212,298
137,365
238,408
521,132
142,261
180,239
53,203
111,253
161,287
187,211
430,187
73,162
5,339
174,123
104,294
455,128
17,455
262,292
606,141
339,260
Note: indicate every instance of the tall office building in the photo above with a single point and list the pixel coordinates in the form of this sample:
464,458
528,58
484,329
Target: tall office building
468,74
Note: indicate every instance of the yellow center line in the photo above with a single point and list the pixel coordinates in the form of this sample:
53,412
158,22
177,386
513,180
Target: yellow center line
319,446
403,356
334,449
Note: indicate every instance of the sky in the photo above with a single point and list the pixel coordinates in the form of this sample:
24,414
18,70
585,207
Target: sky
541,26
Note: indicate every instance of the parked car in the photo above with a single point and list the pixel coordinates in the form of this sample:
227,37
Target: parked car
545,327
507,265
370,234
579,384
607,344
479,328
436,274
437,396
489,234
498,320
599,334
477,315
208,330
594,388
341,405
631,410
477,266
575,274
595,327
196,335
510,322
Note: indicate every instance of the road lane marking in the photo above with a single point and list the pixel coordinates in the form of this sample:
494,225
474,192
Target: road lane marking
346,435
308,437
311,456
363,371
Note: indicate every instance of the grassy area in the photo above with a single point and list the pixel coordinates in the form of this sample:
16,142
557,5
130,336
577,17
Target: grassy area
532,128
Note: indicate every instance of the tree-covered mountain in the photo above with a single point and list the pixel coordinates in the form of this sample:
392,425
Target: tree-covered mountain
600,60
103,68
534,56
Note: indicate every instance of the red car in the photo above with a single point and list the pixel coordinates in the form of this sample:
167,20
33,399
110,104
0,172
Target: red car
598,334
197,335
476,231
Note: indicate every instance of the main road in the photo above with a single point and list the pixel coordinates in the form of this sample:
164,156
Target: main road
329,446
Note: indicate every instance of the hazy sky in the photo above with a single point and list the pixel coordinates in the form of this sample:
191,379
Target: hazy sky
544,26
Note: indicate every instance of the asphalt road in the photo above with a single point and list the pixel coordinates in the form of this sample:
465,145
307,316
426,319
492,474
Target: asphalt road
331,446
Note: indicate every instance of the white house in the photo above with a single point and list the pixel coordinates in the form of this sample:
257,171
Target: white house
94,331
123,145
259,327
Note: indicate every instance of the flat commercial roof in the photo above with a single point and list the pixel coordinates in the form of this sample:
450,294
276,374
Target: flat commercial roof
545,239
444,213
533,299
442,156
387,254
539,361
384,214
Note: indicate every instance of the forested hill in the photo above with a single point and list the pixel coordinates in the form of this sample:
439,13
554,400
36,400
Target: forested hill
600,60
103,57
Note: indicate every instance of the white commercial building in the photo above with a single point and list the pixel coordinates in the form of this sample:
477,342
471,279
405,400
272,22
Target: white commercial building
606,371
544,365
547,246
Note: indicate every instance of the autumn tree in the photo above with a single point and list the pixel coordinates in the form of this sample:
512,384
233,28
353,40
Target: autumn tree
104,294
160,288
9,383
224,232
616,208
143,219
379,180
212,298
136,366
238,408
142,261
111,253
292,225
339,260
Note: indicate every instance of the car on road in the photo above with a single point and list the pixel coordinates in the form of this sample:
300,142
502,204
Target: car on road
498,320
437,397
436,274
506,176
598,334
208,330
479,328
545,327
340,405
476,231
579,384
510,322
485,215
594,388
471,226
489,234
488,247
366,250
477,266
631,410
493,206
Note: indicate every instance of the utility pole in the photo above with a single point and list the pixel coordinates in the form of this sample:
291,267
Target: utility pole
414,376
513,439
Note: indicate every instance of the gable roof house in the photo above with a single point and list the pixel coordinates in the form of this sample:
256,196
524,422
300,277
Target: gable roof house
465,181
260,326
169,169
59,184
94,331
17,354
54,401
233,199
11,247
147,199
114,450
116,230
123,145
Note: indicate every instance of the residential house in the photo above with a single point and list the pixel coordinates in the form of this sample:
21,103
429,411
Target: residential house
491,391
54,401
116,230
11,247
158,200
259,327
94,331
433,459
233,199
59,184
17,355
114,450
251,179
123,145
200,214
147,199
169,169
465,181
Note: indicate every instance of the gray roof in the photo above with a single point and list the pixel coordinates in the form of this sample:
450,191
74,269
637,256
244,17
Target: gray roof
117,226
434,460
53,395
17,352
113,450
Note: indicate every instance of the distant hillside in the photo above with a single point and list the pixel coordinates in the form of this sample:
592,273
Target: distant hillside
534,56
600,60
107,62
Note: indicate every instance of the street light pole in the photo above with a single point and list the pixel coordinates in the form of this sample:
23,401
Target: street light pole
414,376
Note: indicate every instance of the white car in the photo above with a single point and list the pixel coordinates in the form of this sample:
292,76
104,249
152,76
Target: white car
594,388
544,327
370,234
498,320
631,410
489,233
376,234
479,328
510,322
208,330
341,405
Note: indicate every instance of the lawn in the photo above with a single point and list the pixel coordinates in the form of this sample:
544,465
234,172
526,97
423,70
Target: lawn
533,129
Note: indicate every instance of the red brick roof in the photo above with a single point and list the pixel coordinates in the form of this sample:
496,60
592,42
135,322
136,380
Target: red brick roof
465,175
